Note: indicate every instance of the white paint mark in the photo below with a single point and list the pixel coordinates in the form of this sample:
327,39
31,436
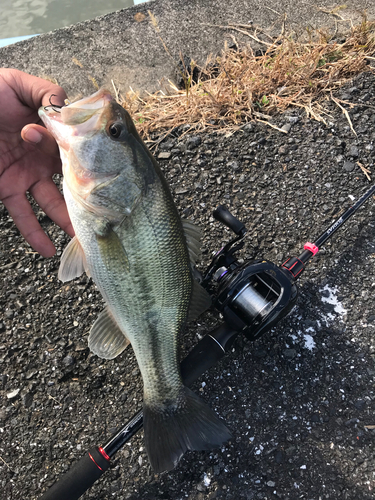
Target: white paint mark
309,342
332,299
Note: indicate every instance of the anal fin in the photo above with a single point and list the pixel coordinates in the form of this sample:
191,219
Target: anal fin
106,339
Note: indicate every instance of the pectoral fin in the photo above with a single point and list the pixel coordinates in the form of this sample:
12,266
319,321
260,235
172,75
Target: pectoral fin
106,340
111,248
73,261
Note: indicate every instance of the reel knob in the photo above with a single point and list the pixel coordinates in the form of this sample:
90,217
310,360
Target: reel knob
223,215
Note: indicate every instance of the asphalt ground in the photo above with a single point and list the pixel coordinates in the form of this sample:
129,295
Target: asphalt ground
299,401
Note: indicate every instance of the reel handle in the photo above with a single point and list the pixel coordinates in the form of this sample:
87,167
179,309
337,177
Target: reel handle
222,214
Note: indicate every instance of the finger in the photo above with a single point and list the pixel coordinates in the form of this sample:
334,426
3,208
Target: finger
51,201
41,139
37,92
34,91
24,218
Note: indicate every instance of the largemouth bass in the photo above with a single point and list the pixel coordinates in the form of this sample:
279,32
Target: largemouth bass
132,242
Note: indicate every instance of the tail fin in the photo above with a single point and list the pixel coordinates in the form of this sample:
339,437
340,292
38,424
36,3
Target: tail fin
190,425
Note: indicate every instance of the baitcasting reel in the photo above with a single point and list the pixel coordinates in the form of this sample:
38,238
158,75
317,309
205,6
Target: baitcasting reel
253,296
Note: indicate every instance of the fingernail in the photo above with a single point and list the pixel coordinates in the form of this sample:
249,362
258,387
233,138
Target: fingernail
32,135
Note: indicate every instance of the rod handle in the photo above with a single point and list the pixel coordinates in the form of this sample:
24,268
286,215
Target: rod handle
81,476
207,353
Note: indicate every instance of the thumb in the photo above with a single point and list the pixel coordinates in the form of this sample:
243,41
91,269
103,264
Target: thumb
39,137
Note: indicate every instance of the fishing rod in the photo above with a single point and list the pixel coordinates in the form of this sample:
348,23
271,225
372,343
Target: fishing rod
252,297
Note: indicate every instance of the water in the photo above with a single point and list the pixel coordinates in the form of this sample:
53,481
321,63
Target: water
28,17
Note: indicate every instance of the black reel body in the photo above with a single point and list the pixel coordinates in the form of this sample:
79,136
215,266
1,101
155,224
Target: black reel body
254,296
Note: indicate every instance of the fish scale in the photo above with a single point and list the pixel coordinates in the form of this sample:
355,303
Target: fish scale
130,240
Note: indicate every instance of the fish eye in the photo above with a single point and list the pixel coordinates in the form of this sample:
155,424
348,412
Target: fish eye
115,130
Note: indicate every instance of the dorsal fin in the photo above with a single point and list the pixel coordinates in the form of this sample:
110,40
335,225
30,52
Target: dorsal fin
200,301
106,339
193,236
73,261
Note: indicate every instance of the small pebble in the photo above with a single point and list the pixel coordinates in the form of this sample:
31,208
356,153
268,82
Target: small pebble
13,394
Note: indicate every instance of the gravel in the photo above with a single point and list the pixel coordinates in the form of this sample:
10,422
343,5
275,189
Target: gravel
300,401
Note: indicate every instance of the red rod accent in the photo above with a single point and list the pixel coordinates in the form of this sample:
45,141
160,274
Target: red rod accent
102,452
98,466
311,247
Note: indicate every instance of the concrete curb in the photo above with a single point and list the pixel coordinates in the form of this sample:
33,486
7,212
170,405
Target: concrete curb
125,47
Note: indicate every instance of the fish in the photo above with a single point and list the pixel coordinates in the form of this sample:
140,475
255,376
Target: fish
140,254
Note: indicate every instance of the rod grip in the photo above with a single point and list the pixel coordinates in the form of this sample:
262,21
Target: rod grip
206,353
81,476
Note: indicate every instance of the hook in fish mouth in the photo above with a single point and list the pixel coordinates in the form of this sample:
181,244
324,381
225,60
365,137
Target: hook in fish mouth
53,106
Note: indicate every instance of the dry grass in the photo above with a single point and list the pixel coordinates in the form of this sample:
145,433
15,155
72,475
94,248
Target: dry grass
240,86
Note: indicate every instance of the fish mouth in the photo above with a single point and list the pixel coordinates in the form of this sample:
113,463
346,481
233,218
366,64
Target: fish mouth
77,119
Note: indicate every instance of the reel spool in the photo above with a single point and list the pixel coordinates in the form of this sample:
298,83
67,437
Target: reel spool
251,303
253,297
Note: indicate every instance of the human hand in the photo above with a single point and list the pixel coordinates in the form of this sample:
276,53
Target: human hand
29,157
